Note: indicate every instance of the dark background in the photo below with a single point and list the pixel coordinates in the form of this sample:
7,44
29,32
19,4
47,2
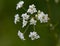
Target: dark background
8,30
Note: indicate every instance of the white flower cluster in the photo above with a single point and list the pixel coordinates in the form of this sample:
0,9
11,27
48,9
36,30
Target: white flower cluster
16,18
32,21
21,36
43,17
25,18
34,35
30,17
19,4
32,9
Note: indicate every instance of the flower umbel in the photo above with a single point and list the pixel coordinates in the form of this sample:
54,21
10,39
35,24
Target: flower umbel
33,35
25,16
30,17
16,18
43,17
32,21
31,9
21,36
19,4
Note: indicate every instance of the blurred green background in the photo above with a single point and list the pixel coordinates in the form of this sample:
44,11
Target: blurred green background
8,30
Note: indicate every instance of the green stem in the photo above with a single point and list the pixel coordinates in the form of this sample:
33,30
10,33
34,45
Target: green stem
34,27
24,9
26,29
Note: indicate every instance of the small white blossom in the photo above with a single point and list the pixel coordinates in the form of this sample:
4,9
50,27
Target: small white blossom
31,9
21,36
32,21
43,17
19,4
16,18
24,23
25,16
33,35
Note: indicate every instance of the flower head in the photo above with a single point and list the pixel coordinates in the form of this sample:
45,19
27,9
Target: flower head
32,21
33,35
19,4
25,16
31,9
43,17
30,17
16,18
21,36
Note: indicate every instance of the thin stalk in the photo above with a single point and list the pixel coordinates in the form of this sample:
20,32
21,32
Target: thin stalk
26,29
34,27
24,9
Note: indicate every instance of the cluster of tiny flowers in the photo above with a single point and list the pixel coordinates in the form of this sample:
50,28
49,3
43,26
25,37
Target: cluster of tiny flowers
16,18
21,36
31,17
32,21
25,18
31,9
43,17
34,35
19,4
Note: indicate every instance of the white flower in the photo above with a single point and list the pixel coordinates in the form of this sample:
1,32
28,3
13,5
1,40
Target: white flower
25,16
43,17
32,21
21,36
24,23
31,9
19,4
33,35
16,18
